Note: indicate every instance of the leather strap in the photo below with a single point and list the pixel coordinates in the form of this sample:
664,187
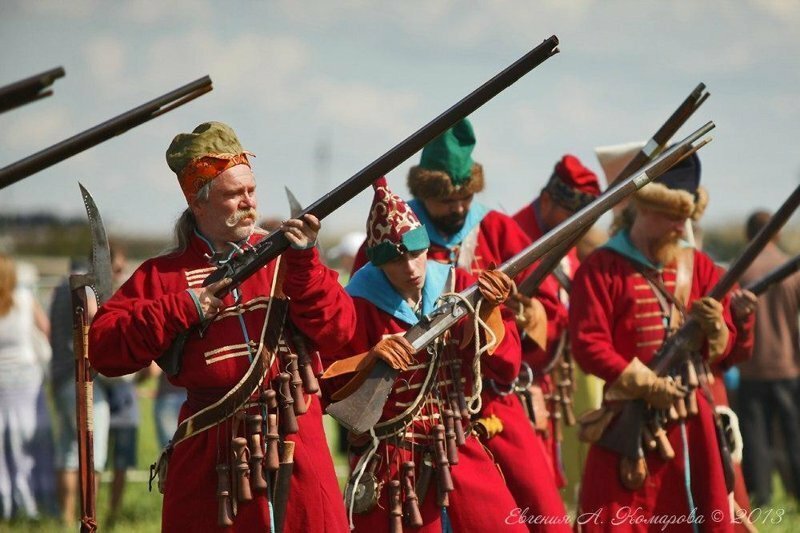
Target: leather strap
238,396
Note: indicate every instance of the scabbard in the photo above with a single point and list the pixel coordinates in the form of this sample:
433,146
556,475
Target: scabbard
280,496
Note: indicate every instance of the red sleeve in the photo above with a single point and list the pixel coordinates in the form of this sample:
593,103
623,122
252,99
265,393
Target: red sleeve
138,323
320,307
706,275
591,317
557,315
742,349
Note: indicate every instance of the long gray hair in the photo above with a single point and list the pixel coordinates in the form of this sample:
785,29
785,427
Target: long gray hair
187,223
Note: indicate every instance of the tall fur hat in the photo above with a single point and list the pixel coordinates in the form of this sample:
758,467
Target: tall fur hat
676,192
446,166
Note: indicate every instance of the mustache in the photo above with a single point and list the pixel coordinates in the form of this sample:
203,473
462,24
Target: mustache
240,215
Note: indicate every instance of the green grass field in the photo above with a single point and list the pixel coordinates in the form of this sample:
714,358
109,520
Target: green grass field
141,510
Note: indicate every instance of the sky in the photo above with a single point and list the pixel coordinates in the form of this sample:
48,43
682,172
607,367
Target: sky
319,89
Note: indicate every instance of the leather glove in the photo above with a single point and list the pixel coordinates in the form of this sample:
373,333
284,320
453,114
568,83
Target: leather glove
494,286
708,313
396,351
531,319
638,381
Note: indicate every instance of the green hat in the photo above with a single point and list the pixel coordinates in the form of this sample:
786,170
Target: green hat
451,152
200,156
446,165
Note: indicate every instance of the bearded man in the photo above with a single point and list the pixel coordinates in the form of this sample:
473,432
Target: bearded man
205,487
627,297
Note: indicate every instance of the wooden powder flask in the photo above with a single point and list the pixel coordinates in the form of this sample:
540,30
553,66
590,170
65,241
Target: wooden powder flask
224,507
241,468
395,507
411,513
450,437
257,480
662,443
692,382
648,440
310,382
424,477
442,464
461,437
299,399
680,403
273,461
455,366
287,419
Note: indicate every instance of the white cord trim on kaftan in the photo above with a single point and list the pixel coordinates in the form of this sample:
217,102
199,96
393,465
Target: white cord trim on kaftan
474,402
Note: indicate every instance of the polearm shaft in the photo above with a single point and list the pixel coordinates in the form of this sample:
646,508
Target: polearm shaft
362,409
111,128
652,148
760,286
28,90
84,409
275,243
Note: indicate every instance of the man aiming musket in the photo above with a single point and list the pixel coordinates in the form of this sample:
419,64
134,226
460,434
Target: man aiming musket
214,469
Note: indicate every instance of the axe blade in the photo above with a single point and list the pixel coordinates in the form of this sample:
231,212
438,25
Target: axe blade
99,275
294,206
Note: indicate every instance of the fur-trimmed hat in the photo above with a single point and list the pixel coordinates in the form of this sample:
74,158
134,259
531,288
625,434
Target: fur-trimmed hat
446,166
392,227
676,192
572,185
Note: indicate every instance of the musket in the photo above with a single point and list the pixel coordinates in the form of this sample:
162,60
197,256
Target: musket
102,132
759,286
624,433
99,280
245,264
29,90
362,409
652,148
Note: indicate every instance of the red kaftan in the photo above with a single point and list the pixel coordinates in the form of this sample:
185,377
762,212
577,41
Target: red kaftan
614,316
140,321
481,501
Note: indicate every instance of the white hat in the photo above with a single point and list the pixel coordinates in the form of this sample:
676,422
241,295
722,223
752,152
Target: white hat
614,158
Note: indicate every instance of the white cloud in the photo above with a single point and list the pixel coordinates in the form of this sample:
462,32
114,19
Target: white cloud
35,129
360,105
106,59
73,9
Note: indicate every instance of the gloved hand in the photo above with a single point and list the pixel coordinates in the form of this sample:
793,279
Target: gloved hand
494,286
396,351
708,313
531,318
638,381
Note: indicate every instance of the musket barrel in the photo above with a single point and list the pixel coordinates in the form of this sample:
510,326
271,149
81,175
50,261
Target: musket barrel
102,132
755,246
28,90
759,286
659,140
274,243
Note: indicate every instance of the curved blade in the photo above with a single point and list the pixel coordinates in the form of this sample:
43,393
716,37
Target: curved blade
99,275
295,209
